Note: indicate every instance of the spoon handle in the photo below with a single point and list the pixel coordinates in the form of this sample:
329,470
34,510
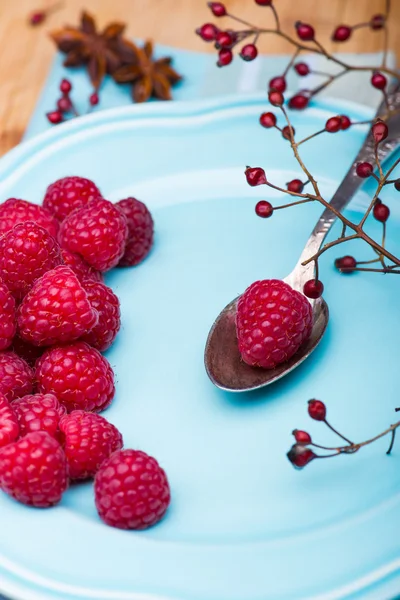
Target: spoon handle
346,190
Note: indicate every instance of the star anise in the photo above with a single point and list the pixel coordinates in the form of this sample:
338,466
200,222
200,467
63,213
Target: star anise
102,52
149,77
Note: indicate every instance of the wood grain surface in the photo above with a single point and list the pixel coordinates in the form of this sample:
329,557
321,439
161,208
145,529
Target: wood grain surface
26,52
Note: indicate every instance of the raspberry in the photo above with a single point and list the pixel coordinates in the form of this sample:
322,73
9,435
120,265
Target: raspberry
106,303
140,231
272,322
88,440
9,429
8,324
97,232
80,267
39,412
78,375
26,253
34,470
56,309
14,211
16,377
66,194
131,490
27,352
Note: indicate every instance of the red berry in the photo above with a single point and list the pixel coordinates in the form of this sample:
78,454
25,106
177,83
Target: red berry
26,253
313,289
65,86
106,304
140,231
264,2
302,69
264,209
39,412
275,98
380,131
8,320
299,102
346,264
296,185
9,430
131,490
378,21
33,470
223,40
78,375
64,104
255,176
317,410
345,122
268,119
94,99
342,33
278,84
14,211
98,232
302,437
37,18
68,193
217,8
80,267
287,132
305,31
56,310
272,322
300,456
208,32
397,185
55,117
364,169
16,376
88,440
249,52
381,212
27,352
378,80
225,57
333,124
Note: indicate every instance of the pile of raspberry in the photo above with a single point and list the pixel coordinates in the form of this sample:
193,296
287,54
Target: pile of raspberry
57,317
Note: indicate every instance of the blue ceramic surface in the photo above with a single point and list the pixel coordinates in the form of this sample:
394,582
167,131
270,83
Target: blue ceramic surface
243,524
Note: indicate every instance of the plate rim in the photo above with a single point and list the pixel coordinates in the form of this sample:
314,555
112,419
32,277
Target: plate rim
18,588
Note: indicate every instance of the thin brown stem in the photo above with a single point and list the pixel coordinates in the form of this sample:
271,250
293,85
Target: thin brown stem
337,433
310,137
276,17
290,63
284,191
391,441
294,203
328,246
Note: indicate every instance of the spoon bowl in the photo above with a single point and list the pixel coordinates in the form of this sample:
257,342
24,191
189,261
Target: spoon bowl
229,372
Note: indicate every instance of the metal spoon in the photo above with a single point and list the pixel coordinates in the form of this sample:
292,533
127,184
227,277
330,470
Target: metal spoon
223,363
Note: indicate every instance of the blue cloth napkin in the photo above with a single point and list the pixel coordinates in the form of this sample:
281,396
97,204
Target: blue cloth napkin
203,79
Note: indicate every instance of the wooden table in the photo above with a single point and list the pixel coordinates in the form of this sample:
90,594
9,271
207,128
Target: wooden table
26,52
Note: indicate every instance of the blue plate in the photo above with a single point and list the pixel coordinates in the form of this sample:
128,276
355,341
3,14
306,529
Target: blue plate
243,524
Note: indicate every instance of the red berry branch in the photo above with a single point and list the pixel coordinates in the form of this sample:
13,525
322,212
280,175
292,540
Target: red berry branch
305,189
226,40
302,453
